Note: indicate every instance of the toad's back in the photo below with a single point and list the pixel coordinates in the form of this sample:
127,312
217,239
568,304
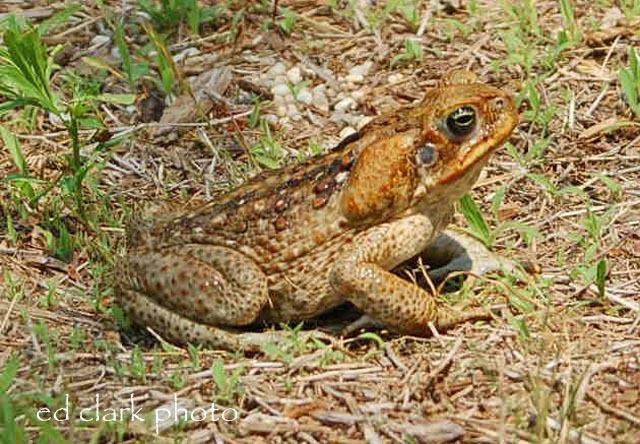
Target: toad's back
280,217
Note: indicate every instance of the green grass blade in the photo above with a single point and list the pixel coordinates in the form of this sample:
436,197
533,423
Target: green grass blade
8,106
57,19
601,277
629,88
125,54
475,219
118,99
13,146
27,68
8,374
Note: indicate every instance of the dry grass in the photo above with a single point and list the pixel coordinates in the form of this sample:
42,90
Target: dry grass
562,365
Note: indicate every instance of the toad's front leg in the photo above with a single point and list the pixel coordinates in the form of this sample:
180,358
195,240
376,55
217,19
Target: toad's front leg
362,275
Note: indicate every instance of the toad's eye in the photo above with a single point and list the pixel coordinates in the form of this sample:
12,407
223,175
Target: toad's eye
427,155
461,122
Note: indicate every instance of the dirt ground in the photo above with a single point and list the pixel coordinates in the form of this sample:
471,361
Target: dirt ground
559,364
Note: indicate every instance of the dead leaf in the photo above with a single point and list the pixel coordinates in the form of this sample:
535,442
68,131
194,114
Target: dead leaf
206,88
508,211
432,432
604,36
633,248
591,68
275,40
151,105
296,411
608,125
72,268
611,18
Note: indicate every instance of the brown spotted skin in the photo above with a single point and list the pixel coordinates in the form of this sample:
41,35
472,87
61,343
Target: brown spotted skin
293,243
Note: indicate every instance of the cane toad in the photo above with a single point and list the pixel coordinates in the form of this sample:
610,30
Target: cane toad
296,242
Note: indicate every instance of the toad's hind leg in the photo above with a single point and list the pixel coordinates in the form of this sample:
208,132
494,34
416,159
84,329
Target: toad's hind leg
193,293
180,330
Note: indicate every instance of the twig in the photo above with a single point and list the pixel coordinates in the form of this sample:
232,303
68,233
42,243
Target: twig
573,435
426,17
274,12
446,361
123,130
395,360
5,320
607,408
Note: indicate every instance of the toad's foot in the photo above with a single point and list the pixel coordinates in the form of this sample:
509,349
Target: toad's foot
447,318
363,322
454,251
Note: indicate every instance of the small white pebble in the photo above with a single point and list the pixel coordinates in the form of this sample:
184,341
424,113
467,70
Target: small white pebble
277,69
321,102
271,119
284,123
292,110
306,72
99,40
363,121
257,40
322,88
341,177
280,79
361,70
280,90
355,78
115,53
346,131
183,55
345,104
394,78
340,117
54,119
267,82
294,75
305,96
358,95
281,110
611,18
